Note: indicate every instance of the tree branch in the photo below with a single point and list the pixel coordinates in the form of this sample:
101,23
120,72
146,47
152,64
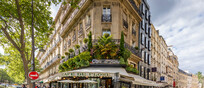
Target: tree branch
21,25
8,36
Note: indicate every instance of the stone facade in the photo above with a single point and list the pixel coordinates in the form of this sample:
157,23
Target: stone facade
99,17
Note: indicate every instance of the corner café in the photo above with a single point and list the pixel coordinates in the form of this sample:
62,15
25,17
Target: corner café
98,76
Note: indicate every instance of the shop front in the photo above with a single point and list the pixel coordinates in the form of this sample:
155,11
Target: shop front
99,77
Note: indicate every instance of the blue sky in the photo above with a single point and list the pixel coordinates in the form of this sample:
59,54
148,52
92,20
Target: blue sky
181,23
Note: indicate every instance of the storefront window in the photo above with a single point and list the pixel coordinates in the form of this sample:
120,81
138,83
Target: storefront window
125,85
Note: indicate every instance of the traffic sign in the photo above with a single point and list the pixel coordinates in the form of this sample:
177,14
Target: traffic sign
33,75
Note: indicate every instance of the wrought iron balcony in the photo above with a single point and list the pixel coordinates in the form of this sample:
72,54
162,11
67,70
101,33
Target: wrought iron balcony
132,2
125,24
80,31
88,24
106,18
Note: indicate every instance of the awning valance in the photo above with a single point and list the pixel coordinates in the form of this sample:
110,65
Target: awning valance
81,81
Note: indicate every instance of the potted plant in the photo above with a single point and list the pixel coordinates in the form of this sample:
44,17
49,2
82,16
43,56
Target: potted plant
137,48
77,47
63,57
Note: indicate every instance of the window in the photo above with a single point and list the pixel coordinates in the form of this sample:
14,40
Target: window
146,14
133,43
80,32
143,8
74,36
149,59
106,16
146,42
88,20
150,32
144,57
146,27
125,23
143,24
133,29
149,45
106,31
144,72
142,38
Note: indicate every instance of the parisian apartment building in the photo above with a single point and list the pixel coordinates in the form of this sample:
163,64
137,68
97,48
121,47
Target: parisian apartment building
155,61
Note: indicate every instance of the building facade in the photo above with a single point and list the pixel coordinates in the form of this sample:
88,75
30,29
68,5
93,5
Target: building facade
72,26
145,40
195,82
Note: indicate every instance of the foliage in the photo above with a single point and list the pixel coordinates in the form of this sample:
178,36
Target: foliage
71,50
66,53
4,76
122,62
90,41
130,68
86,40
137,48
126,54
105,48
122,42
200,77
82,60
77,47
15,28
63,57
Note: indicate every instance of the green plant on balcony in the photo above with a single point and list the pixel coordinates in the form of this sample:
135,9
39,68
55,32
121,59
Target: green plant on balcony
71,51
63,57
122,62
90,46
77,47
137,48
85,40
122,47
82,60
105,48
132,69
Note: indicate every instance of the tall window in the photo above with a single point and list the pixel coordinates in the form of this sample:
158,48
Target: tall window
106,16
133,29
74,36
150,32
146,42
125,23
144,57
149,45
143,24
80,29
133,43
142,39
88,20
146,27
106,31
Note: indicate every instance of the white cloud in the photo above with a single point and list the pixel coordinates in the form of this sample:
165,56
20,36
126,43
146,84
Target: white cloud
1,50
54,9
182,27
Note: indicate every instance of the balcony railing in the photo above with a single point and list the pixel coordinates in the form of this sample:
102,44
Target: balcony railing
80,31
50,50
81,3
52,61
88,24
132,2
106,18
125,24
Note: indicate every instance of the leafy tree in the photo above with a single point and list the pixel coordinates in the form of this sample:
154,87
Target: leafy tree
122,42
90,41
15,25
200,77
4,76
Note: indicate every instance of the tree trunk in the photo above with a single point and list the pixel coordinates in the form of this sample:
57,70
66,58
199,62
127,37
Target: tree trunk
26,69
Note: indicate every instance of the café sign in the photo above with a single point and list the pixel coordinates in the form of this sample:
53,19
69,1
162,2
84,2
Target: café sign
85,74
105,61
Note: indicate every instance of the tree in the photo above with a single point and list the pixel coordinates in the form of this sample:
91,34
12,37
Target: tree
200,77
14,65
4,76
90,41
15,25
122,42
